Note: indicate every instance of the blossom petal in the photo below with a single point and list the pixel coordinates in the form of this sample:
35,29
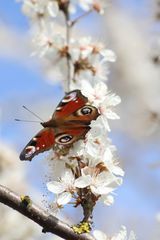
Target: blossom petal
122,234
55,187
83,181
101,89
100,190
112,100
87,89
132,236
108,200
53,8
67,177
64,198
99,235
105,178
105,122
108,55
111,115
117,171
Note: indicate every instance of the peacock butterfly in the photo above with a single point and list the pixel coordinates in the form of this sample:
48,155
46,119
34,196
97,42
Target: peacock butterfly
69,123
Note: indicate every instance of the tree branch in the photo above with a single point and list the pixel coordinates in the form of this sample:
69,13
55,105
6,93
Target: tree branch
68,45
48,222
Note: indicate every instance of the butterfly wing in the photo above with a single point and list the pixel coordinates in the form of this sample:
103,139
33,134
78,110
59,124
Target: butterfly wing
71,102
43,141
69,123
48,137
67,136
72,118
75,110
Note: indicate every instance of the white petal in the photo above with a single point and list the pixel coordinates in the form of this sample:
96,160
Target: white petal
85,6
64,198
109,55
53,8
122,234
117,171
111,115
108,200
92,149
87,89
116,100
101,89
86,171
83,181
75,54
105,178
55,187
101,190
107,182
85,52
108,156
85,41
72,9
99,235
67,177
105,122
132,236
112,100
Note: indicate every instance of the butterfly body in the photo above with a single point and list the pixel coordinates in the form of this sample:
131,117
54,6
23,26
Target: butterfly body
69,123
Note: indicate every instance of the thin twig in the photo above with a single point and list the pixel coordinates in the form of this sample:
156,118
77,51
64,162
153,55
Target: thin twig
68,28
73,22
69,25
48,222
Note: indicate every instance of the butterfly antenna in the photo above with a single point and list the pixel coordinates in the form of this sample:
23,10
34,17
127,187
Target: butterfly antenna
33,113
21,120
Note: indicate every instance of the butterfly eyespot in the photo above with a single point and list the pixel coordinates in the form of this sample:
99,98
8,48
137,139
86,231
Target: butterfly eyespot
64,139
87,110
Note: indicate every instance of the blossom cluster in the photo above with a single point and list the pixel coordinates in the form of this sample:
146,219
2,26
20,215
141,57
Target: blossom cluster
87,58
87,171
52,8
122,235
91,163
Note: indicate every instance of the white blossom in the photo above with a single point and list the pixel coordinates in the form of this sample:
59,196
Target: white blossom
122,235
87,5
64,187
101,70
102,183
108,55
90,60
96,94
100,97
111,164
81,48
49,44
90,164
40,9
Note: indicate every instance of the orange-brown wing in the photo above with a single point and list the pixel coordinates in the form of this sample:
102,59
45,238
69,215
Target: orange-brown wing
67,136
47,138
75,110
43,141
69,123
71,102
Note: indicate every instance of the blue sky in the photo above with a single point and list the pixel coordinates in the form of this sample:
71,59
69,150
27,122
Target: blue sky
24,86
